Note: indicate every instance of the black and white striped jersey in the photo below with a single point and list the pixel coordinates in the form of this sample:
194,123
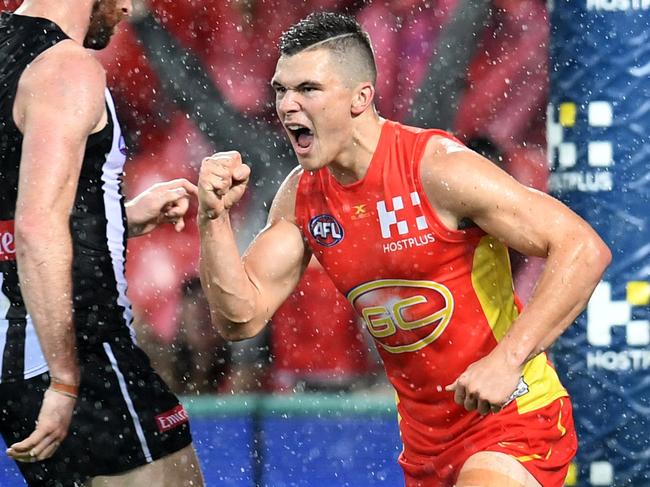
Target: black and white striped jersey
97,222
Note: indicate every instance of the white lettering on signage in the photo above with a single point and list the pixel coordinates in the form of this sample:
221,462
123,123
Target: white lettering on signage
578,181
623,360
604,315
618,5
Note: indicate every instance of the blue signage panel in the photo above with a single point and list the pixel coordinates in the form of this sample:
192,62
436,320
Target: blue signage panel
598,126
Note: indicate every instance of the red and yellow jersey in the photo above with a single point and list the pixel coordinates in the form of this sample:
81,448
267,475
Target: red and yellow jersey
434,299
332,346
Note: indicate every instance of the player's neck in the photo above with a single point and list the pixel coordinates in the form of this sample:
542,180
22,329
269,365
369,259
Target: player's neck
353,162
73,17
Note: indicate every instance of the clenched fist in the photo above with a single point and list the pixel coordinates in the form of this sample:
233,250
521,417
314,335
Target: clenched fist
222,182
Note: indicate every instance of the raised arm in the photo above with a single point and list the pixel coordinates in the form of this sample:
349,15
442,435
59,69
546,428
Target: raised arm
463,185
59,102
243,293
186,82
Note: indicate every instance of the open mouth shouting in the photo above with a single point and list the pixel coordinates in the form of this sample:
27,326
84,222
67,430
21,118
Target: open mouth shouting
302,138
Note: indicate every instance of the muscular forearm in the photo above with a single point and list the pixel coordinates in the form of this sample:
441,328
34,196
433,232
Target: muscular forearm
230,293
44,258
573,269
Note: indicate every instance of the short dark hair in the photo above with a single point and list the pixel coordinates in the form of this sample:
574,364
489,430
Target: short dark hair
338,32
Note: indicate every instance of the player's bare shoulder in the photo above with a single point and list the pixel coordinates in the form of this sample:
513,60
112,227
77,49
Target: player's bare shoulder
443,160
66,79
72,61
284,203
440,148
450,172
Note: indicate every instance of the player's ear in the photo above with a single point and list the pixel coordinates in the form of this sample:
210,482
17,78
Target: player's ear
364,94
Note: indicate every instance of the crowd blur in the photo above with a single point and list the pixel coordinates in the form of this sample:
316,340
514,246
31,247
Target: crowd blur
191,77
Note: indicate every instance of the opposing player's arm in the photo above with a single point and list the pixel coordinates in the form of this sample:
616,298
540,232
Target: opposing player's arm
244,293
60,101
461,184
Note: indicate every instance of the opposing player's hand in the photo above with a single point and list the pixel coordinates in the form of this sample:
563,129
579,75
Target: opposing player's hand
166,202
51,428
487,385
222,183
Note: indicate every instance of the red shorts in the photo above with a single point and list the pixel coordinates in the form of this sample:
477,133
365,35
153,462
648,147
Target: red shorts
544,441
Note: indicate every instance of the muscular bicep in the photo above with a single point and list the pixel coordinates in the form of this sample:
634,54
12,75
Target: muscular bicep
464,185
60,101
274,263
278,256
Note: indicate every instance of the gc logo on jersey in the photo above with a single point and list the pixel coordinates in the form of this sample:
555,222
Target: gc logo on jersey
403,315
326,230
411,221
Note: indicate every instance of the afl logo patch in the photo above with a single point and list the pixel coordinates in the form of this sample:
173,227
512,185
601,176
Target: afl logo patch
326,230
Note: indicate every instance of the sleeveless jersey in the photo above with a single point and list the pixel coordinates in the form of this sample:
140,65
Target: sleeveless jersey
332,348
434,299
97,222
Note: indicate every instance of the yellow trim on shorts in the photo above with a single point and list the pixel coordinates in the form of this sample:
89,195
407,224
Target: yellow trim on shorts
560,426
572,475
528,458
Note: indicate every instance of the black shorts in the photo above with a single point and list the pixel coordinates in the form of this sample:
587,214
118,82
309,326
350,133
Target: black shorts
125,417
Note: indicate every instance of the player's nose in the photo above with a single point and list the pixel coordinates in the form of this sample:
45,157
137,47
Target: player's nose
289,102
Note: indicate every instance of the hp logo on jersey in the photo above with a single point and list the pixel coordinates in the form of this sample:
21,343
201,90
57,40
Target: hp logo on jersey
326,230
389,221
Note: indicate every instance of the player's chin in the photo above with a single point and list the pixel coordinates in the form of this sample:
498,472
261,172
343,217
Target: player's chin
307,158
309,163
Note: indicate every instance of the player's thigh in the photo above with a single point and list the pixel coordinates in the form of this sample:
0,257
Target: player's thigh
494,469
179,469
